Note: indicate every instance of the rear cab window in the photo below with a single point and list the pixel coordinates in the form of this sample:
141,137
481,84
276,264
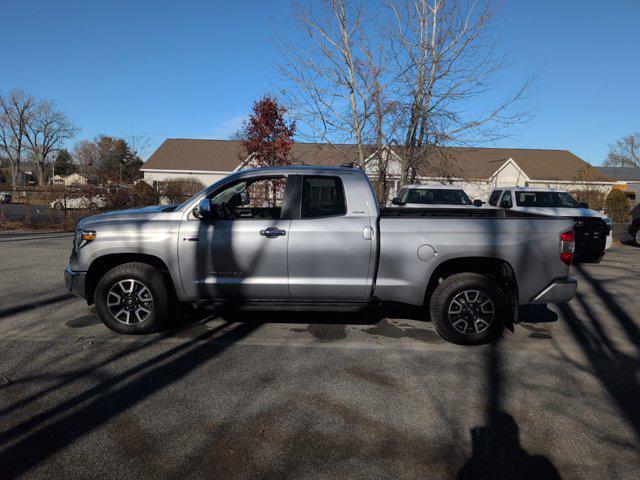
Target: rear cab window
322,196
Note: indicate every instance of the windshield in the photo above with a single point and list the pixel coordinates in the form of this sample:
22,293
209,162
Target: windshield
546,200
436,196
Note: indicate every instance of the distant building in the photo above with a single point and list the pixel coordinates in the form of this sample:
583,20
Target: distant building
627,179
477,170
75,179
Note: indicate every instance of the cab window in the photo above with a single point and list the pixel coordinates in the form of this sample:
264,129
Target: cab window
322,197
506,201
252,198
493,199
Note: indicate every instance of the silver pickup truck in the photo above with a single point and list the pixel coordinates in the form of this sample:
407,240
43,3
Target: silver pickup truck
315,238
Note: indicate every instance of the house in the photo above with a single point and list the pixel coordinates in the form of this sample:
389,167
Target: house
627,179
73,180
477,170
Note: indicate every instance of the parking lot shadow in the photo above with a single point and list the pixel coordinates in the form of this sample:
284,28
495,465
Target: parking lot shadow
42,435
365,317
536,314
496,449
35,304
616,370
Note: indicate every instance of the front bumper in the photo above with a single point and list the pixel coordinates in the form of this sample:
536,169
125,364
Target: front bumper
74,281
559,291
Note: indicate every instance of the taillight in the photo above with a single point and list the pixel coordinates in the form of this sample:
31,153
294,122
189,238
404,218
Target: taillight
567,246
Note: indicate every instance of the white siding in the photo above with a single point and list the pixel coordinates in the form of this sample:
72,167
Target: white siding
206,178
600,187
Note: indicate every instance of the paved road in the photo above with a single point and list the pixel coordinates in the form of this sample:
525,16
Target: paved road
303,396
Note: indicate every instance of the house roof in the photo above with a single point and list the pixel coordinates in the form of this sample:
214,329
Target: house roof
629,174
537,164
463,162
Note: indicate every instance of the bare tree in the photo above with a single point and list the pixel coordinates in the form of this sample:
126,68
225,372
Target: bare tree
624,152
86,156
446,53
16,109
327,90
45,132
140,143
411,74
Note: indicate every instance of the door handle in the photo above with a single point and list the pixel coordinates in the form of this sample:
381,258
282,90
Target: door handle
272,232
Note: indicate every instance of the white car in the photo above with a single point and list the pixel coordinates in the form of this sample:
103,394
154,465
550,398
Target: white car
79,203
432,196
593,229
6,197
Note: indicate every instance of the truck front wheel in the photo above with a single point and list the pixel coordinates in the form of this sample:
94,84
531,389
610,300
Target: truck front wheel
133,298
469,309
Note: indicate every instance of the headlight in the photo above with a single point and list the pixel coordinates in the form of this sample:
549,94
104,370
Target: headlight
83,237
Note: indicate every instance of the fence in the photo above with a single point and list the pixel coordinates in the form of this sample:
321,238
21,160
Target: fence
61,207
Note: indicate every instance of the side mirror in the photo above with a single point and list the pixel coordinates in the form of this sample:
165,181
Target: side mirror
584,205
203,210
397,201
478,203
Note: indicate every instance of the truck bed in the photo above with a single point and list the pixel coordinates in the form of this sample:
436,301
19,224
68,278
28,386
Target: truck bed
471,212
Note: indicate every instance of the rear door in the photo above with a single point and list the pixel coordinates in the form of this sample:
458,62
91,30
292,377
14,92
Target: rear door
330,241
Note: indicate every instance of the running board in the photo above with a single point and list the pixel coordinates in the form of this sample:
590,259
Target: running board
302,306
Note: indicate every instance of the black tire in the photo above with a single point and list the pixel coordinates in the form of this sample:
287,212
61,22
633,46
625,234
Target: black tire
450,289
636,237
143,274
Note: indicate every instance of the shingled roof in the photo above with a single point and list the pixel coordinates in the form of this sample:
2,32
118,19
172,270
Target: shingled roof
473,163
629,174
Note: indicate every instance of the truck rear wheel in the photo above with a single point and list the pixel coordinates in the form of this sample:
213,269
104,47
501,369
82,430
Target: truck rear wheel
469,309
133,298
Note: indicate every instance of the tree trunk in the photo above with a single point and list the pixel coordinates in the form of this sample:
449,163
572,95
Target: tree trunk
41,174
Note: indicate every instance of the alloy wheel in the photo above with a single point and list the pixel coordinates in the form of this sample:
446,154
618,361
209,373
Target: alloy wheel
130,301
471,312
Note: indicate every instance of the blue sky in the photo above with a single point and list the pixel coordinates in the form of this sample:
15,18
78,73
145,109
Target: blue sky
192,69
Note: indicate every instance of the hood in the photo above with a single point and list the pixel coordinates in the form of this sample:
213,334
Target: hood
564,212
135,214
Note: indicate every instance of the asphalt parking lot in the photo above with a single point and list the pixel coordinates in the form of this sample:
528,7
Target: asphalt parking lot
308,396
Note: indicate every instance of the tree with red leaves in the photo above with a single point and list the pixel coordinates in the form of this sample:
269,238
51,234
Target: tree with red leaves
267,136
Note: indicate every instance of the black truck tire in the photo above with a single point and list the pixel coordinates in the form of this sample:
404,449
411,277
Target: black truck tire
469,309
133,298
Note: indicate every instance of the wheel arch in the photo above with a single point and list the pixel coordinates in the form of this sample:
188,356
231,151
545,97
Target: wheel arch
103,264
497,269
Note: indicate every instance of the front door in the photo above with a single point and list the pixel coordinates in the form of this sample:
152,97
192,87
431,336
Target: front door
242,252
